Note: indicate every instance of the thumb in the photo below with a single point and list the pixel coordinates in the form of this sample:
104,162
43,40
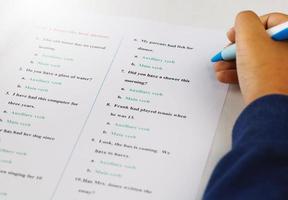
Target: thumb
250,34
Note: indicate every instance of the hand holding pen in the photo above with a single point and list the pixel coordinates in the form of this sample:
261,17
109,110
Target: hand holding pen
261,66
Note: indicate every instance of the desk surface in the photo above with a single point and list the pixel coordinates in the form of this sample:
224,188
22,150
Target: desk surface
217,14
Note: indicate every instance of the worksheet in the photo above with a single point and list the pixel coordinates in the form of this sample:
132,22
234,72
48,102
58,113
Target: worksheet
106,108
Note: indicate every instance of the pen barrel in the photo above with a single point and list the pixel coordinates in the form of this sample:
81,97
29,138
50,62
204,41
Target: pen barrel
282,35
229,53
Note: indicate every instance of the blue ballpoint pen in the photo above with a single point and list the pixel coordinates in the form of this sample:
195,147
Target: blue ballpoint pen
278,33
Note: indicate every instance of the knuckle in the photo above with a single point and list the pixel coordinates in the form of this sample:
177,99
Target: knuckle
221,77
277,14
244,14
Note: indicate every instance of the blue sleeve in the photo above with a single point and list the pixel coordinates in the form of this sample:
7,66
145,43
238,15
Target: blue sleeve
256,168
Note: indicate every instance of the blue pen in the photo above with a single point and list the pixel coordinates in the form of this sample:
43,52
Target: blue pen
278,33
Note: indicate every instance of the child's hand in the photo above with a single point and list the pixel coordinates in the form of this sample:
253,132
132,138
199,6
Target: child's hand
261,66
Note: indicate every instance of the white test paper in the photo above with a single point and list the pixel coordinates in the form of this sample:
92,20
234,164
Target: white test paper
106,109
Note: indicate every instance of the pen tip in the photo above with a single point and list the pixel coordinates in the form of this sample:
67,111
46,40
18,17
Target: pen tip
217,57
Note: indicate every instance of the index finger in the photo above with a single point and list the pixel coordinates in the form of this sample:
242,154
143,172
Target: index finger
273,19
